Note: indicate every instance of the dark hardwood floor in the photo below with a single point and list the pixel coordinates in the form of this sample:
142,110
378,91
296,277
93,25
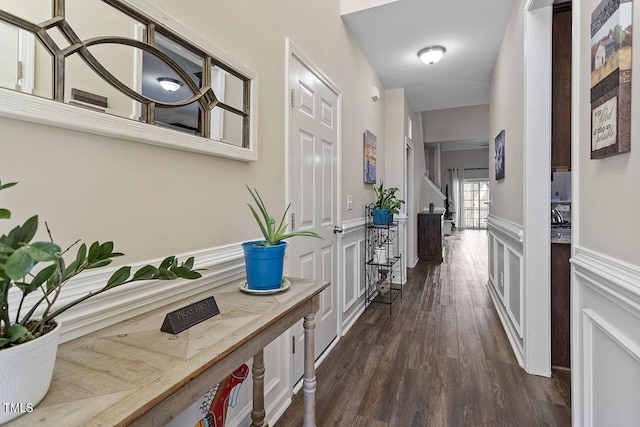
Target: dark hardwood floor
440,359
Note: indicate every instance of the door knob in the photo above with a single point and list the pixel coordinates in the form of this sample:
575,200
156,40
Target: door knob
337,229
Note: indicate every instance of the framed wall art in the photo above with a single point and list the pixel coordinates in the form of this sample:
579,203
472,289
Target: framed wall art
369,158
500,155
611,30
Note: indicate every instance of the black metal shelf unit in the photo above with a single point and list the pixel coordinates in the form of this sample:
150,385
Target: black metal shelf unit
383,261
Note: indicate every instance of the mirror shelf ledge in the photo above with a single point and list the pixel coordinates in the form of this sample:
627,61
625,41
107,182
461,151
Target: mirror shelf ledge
29,108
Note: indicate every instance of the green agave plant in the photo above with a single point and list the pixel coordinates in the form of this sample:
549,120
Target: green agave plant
19,257
272,234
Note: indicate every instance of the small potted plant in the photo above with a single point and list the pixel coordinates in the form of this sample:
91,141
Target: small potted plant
386,205
29,334
264,259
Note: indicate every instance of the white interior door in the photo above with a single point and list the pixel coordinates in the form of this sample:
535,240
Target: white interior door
9,55
17,49
313,176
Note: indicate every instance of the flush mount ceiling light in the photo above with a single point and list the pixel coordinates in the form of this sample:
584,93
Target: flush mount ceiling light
169,84
431,54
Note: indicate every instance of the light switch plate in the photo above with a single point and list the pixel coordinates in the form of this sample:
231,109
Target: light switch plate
349,202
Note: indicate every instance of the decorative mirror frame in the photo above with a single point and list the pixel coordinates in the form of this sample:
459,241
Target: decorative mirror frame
54,112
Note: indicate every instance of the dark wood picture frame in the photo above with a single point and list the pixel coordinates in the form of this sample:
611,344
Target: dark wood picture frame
611,30
499,146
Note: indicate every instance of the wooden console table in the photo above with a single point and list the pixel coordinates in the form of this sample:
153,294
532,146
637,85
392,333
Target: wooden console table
133,374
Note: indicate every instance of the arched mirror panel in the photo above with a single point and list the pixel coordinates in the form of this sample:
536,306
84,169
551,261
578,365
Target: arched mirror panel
111,57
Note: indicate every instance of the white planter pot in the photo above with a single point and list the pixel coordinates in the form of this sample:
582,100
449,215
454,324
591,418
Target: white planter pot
380,255
25,374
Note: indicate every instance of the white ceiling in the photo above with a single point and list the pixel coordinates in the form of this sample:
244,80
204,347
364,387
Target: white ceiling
391,35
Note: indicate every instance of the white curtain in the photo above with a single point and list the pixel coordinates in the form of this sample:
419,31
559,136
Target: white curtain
457,197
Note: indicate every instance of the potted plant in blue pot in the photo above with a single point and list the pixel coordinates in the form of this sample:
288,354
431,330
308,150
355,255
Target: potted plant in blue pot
264,259
386,205
394,204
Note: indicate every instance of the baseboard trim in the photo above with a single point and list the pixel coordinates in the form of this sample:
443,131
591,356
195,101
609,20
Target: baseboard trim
352,319
509,329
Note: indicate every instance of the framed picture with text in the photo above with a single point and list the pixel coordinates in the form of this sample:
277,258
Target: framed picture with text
611,31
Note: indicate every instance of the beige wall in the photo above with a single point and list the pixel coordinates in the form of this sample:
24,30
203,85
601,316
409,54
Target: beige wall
456,124
395,131
608,189
398,112
419,184
154,201
507,112
464,159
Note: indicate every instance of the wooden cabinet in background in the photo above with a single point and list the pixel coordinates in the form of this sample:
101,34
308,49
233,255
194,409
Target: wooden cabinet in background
430,237
561,88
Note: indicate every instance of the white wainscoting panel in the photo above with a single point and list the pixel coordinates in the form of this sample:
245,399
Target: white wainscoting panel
352,273
492,267
505,281
605,330
401,248
514,289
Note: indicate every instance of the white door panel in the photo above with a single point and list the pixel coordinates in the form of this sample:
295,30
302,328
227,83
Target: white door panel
17,49
9,54
313,160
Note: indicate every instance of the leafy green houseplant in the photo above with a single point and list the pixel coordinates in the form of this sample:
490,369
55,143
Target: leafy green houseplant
264,259
40,270
386,205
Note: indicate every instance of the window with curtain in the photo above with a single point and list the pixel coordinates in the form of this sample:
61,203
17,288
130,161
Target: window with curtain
476,203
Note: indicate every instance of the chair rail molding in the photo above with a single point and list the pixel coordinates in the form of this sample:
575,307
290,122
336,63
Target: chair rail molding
507,228
615,279
222,263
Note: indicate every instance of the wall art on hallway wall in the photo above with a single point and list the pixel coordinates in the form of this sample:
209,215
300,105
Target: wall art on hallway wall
369,158
500,155
611,31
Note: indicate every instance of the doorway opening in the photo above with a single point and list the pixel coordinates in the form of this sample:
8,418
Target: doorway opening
476,204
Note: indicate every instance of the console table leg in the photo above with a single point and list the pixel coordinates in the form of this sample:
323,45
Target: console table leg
309,378
257,372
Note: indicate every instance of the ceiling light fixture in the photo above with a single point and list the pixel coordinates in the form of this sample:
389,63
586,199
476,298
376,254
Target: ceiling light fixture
169,84
431,54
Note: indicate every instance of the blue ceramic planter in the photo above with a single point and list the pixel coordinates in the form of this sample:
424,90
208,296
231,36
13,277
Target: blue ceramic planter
264,265
380,216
